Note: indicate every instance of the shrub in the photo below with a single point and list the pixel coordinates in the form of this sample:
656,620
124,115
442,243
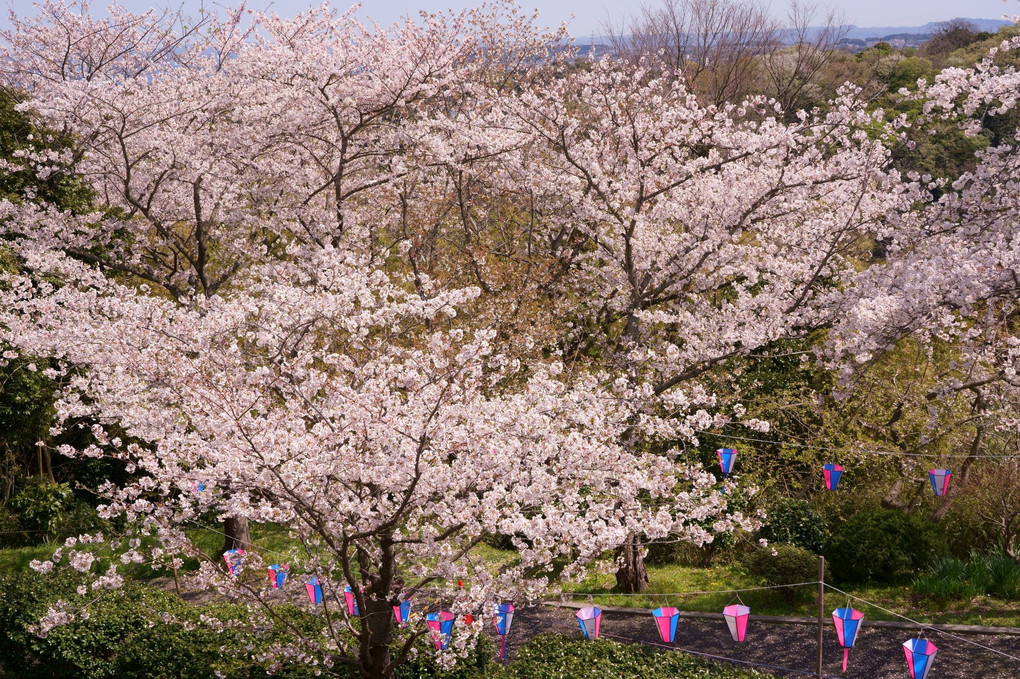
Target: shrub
43,511
477,665
781,564
883,545
40,505
555,655
794,522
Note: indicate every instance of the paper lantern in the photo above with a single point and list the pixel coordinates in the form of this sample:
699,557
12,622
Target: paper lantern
352,601
736,619
727,456
920,656
278,575
314,590
590,619
848,623
939,480
832,472
402,613
441,624
504,616
235,560
666,620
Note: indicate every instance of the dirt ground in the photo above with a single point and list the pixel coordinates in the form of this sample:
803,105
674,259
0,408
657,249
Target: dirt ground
877,654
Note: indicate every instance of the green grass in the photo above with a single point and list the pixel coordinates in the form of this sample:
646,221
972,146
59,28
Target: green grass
902,599
16,559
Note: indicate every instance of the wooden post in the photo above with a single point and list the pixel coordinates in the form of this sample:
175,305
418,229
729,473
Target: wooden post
821,609
38,451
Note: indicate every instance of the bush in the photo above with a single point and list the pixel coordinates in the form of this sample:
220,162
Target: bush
550,655
781,564
43,511
883,545
477,665
40,504
793,522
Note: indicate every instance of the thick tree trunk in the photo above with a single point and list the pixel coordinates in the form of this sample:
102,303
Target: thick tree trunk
632,576
236,536
377,621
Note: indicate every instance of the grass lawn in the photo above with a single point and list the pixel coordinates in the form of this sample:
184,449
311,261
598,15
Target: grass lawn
665,580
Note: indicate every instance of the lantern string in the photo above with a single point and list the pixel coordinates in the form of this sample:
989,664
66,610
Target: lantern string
851,451
813,583
711,656
923,626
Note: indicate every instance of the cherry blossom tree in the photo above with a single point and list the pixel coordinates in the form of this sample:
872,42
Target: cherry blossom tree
950,282
697,234
234,319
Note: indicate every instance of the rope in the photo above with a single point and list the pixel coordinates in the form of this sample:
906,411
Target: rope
924,625
682,594
705,655
850,450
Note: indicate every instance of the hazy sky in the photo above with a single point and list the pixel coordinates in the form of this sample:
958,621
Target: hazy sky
588,14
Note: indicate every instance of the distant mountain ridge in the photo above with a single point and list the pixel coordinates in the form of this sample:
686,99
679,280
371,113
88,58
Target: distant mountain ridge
875,32
854,34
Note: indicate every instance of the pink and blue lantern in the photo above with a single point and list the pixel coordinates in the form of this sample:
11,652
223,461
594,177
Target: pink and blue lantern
832,472
441,624
736,620
666,620
278,575
402,613
198,487
848,623
504,616
920,657
590,619
939,480
235,560
352,601
314,590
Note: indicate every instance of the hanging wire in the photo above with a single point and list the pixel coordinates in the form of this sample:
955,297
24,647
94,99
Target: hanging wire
683,594
851,451
924,626
702,654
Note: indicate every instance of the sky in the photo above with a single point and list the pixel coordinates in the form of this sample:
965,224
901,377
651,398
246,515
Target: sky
584,17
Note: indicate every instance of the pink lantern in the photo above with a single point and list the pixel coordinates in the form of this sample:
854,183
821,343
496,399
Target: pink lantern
832,472
939,480
351,601
736,619
666,620
235,560
441,625
590,620
848,623
314,589
402,613
920,656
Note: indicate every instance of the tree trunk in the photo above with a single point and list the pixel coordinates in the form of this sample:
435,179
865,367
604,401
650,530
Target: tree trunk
236,536
632,576
377,634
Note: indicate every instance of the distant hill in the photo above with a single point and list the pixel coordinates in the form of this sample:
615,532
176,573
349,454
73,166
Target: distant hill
856,38
879,32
